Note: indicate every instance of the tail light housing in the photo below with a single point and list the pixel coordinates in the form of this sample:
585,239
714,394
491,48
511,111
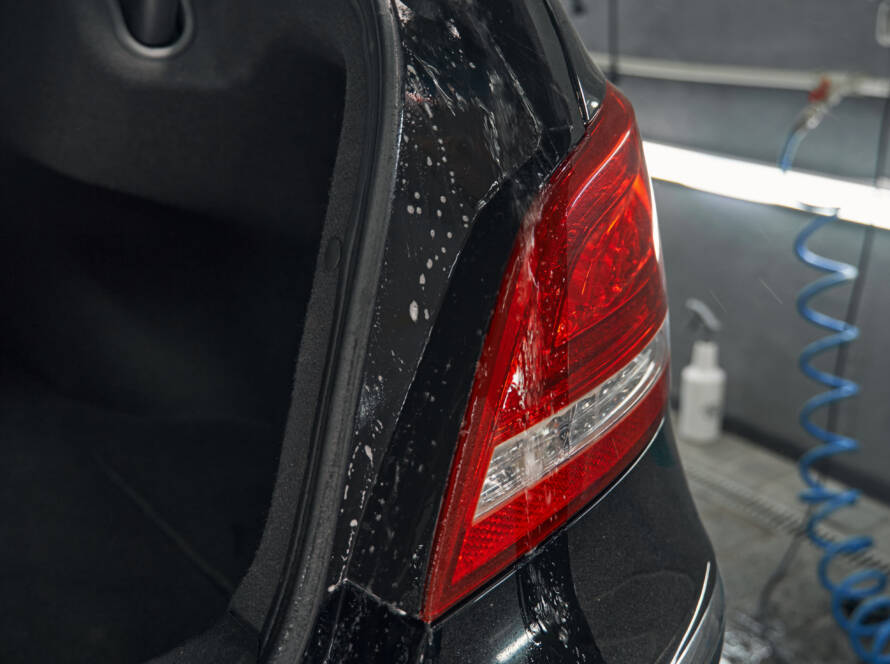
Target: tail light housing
571,383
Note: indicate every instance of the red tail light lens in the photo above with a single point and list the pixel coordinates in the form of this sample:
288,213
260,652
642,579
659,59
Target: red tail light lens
571,383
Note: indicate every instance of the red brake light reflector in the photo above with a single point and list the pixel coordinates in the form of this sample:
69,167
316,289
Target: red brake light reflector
572,380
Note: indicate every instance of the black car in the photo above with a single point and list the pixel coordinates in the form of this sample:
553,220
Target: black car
334,331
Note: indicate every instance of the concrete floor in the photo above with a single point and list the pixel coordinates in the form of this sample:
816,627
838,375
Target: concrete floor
747,498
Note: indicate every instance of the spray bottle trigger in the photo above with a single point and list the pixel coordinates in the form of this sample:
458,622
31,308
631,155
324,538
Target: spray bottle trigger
703,318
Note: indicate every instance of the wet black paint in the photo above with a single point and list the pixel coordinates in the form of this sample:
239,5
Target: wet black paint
495,96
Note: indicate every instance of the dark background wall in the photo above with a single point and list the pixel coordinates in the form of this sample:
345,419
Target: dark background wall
795,34
737,256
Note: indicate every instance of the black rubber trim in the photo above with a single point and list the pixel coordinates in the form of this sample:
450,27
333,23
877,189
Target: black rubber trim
299,595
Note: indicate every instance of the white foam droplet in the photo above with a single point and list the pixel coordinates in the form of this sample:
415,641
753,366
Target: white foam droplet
422,279
413,310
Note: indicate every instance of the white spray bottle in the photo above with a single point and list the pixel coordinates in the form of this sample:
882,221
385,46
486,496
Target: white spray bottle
702,381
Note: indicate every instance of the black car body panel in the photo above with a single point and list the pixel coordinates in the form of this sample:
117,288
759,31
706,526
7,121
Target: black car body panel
476,147
493,99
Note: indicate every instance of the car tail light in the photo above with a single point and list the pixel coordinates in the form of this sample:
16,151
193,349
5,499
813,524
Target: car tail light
571,384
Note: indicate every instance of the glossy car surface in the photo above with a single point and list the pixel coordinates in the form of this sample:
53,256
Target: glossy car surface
502,93
432,126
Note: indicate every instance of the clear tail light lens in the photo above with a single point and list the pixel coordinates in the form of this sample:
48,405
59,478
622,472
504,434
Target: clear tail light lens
572,381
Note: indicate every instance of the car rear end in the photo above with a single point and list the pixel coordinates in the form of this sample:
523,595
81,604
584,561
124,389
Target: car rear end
336,332
513,491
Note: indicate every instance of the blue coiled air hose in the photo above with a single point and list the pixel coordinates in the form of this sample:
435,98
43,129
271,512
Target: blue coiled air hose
869,637
868,624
